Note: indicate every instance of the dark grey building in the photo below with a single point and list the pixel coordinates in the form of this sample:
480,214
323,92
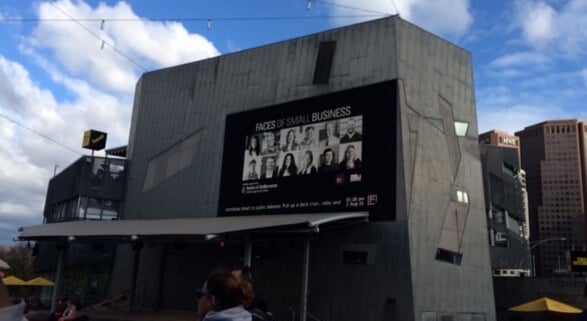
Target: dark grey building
91,188
424,253
506,204
382,169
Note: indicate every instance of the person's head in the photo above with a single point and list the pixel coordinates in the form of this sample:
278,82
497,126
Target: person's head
288,160
243,274
329,129
291,136
349,152
254,142
70,302
252,165
328,156
221,291
309,132
270,163
308,158
270,139
351,123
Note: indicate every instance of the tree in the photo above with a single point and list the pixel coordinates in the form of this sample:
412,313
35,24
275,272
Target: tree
20,259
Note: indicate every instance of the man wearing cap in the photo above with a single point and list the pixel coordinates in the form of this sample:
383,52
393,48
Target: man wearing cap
8,310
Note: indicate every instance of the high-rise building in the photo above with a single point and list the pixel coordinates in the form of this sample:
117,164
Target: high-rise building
506,203
554,155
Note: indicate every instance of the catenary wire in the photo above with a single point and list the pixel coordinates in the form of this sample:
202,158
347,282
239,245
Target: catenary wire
79,20
40,134
351,7
197,19
100,38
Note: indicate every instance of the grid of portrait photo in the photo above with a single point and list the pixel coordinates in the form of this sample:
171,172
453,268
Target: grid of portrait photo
311,149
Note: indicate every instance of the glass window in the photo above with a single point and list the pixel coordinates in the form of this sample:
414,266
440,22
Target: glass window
428,316
461,128
83,205
462,197
110,210
94,209
115,168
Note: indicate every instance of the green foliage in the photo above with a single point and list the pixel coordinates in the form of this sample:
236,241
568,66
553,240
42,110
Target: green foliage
21,261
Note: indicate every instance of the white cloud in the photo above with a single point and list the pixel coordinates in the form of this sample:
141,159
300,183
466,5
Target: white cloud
17,92
560,28
534,98
113,53
513,118
87,88
518,59
444,17
538,22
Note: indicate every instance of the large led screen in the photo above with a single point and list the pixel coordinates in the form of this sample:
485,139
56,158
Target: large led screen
330,153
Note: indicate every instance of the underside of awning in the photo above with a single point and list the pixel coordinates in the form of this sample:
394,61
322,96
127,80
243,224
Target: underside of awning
178,227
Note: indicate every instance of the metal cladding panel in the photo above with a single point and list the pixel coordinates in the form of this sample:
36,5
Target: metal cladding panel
379,285
437,91
174,103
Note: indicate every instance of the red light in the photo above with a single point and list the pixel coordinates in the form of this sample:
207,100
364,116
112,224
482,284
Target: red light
221,243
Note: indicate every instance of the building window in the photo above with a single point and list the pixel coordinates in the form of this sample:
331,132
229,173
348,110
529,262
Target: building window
429,316
501,240
461,128
324,62
462,197
470,317
449,256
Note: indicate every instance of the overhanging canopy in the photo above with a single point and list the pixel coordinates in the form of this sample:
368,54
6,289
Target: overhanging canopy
546,305
13,280
39,281
179,226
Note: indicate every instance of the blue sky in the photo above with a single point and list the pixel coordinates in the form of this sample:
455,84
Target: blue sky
68,66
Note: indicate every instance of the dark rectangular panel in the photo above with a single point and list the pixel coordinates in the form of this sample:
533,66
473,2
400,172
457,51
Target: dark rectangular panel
449,256
329,153
324,62
354,257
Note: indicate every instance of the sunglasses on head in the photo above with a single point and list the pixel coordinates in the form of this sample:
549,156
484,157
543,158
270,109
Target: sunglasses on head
202,293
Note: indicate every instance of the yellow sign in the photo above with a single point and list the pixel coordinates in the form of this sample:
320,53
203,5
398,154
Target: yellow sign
86,141
94,140
580,261
577,260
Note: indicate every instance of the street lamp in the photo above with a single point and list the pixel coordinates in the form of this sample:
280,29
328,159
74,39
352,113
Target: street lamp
536,244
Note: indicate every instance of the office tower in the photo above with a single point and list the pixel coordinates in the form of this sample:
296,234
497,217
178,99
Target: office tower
553,155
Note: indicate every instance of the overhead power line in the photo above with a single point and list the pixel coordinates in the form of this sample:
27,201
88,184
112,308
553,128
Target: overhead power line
197,19
207,20
104,42
395,7
40,134
351,7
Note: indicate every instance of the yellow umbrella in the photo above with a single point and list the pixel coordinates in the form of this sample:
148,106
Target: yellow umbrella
545,305
39,281
13,280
